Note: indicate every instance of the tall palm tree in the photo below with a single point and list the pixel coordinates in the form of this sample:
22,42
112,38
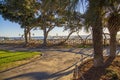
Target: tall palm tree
94,19
113,24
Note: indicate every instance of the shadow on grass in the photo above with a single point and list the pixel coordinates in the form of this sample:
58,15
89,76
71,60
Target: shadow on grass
95,73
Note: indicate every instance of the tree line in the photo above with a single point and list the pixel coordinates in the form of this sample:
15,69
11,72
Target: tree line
48,14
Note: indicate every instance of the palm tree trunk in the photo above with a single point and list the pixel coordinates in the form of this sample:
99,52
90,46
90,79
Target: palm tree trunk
97,32
113,44
97,44
105,38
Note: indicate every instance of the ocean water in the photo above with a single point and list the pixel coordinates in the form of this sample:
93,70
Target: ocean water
49,37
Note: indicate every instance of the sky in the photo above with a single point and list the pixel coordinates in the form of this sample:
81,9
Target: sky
11,29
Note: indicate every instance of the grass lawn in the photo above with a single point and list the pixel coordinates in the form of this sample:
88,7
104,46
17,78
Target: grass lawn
10,59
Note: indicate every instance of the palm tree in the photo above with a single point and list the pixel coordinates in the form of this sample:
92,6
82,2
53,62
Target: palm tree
111,20
93,18
113,27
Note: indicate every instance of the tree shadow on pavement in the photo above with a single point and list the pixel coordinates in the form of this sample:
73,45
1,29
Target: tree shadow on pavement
33,76
38,76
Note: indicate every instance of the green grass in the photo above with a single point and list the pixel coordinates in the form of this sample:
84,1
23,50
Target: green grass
10,58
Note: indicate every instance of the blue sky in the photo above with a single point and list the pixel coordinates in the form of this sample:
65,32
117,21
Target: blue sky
10,29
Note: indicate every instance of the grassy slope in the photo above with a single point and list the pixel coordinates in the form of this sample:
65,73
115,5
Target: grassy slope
10,59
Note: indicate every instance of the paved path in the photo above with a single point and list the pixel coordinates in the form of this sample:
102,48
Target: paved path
51,66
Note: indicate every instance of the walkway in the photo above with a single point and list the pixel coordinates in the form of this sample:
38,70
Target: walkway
53,65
